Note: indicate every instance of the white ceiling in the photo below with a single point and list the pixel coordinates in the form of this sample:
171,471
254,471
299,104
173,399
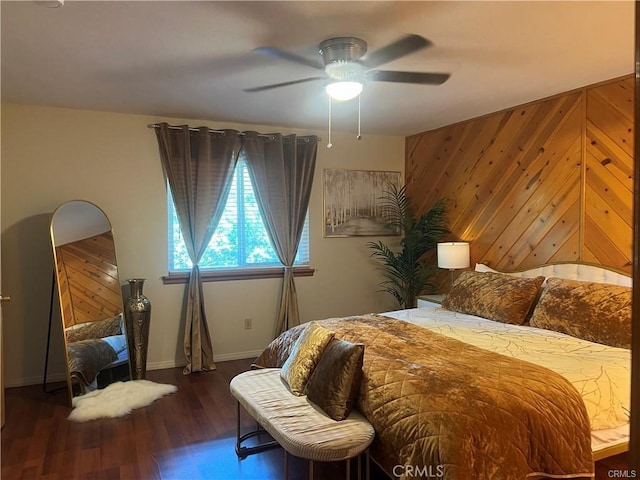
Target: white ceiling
193,59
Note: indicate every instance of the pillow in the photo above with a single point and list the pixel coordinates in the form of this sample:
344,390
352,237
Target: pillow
335,382
481,267
597,312
304,357
495,296
98,329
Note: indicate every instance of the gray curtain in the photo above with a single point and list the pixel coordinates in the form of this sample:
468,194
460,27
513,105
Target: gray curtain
199,165
281,170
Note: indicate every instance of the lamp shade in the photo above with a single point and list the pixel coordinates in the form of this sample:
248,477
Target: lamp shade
344,90
453,255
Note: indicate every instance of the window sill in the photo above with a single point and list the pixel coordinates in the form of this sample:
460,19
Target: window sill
244,274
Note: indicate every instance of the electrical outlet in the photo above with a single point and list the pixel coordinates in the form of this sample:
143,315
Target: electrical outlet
247,323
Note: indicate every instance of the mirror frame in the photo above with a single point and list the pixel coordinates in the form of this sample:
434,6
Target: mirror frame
82,222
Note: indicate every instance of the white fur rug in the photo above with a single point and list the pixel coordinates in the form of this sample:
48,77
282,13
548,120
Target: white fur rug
118,399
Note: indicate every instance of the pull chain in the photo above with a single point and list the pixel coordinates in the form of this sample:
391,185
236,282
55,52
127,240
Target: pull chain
329,144
359,137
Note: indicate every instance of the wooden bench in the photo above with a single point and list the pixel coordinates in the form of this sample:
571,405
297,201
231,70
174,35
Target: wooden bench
301,428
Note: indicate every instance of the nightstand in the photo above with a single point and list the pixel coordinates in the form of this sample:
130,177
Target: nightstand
433,300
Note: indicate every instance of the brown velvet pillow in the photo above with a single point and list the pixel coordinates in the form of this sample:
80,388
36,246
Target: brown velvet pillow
99,329
495,296
305,355
335,382
597,312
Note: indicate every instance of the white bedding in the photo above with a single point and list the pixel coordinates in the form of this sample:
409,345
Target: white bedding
602,374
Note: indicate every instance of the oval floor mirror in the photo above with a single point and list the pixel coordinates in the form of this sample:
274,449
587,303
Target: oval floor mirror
90,297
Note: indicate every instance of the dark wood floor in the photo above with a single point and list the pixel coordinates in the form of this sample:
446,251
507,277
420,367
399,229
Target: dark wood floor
189,435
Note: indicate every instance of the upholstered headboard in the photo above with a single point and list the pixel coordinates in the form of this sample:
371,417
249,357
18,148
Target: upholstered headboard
570,271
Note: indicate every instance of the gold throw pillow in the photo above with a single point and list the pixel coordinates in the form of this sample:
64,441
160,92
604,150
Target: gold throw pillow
597,312
304,357
495,296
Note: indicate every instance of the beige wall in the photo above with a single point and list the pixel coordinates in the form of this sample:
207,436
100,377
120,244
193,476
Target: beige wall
52,155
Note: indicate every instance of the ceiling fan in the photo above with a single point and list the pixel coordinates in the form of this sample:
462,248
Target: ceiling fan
347,69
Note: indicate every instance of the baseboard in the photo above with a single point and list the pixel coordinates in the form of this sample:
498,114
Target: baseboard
62,377
237,356
35,380
165,364
216,358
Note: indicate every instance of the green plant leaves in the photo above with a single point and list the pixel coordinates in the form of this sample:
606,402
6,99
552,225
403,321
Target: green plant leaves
405,272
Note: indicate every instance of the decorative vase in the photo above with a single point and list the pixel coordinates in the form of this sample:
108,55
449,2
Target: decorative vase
137,311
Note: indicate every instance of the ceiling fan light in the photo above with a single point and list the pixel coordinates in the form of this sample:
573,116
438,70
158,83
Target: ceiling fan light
344,90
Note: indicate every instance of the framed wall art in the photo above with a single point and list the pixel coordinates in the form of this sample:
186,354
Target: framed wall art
353,202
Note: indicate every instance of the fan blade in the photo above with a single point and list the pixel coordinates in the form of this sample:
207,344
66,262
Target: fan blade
408,77
289,56
283,84
400,48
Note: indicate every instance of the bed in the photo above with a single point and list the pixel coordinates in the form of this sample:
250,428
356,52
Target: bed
95,347
496,385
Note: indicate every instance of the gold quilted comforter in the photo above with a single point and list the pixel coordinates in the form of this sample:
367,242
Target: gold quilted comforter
445,409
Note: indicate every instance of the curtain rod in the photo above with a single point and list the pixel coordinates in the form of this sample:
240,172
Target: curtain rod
194,129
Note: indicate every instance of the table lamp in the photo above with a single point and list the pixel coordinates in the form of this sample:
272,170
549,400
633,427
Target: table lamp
453,255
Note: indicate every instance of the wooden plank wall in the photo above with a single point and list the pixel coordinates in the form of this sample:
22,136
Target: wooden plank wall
545,182
88,280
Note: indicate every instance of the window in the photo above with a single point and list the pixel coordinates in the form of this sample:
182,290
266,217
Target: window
240,240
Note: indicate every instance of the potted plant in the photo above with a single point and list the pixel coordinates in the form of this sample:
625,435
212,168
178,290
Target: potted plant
405,271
